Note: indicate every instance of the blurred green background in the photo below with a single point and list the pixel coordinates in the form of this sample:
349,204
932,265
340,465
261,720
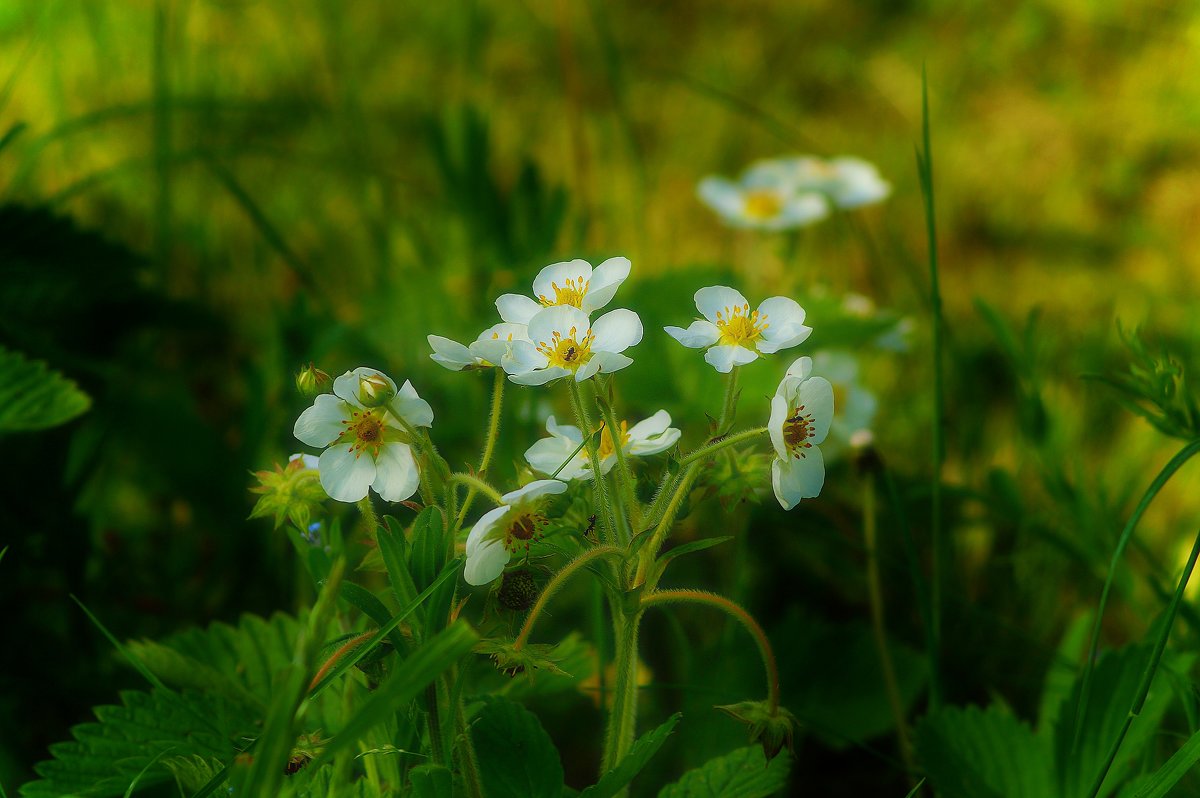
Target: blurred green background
199,196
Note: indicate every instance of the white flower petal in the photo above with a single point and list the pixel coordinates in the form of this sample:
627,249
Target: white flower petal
800,210
450,354
698,335
779,414
495,344
559,319
857,183
311,461
321,424
568,431
794,479
606,279
412,408
396,474
345,475
346,386
524,357
603,362
783,315
516,309
534,490
816,396
540,376
486,563
723,358
801,367
548,455
616,331
723,196
719,299
794,336
574,272
653,435
482,531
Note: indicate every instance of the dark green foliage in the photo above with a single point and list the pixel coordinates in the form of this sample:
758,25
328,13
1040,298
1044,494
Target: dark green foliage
516,757
745,773
33,397
627,769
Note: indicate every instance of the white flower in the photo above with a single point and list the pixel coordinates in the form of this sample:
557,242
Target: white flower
564,343
490,349
733,335
801,412
572,283
650,436
310,460
502,531
364,447
762,199
848,182
854,405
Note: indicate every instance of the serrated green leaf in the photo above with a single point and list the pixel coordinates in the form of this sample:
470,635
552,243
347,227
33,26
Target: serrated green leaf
627,769
975,753
744,773
517,759
192,772
33,397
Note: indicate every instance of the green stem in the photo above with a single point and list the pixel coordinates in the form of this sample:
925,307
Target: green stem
650,551
1139,699
729,409
370,518
467,760
489,444
622,718
875,595
737,612
709,449
1175,463
433,714
556,583
603,506
625,475
478,485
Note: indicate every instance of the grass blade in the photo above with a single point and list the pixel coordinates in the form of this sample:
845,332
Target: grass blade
134,661
133,784
1174,769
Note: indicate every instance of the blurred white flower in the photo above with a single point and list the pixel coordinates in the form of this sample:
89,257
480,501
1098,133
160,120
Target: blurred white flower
735,336
801,413
365,447
573,283
564,343
489,350
763,200
848,182
650,436
309,461
854,405
502,531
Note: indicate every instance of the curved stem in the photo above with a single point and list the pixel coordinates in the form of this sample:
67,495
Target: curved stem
1139,699
743,617
1181,457
556,583
489,443
875,594
478,485
629,497
335,657
729,440
603,507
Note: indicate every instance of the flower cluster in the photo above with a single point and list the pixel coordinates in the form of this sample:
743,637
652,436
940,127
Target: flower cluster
784,193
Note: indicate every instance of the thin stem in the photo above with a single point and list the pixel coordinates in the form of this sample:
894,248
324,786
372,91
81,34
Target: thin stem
1173,465
433,715
603,506
733,439
1139,699
875,594
556,583
467,760
664,524
625,475
729,408
489,443
743,617
370,518
622,718
478,485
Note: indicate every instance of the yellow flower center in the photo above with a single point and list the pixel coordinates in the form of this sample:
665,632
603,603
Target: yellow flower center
762,204
739,326
569,352
364,431
607,445
571,292
797,429
524,528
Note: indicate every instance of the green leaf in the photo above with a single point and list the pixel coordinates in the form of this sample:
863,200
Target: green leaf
689,548
1175,768
409,678
428,547
373,608
192,772
432,781
33,397
627,769
975,753
1060,678
742,774
516,757
393,547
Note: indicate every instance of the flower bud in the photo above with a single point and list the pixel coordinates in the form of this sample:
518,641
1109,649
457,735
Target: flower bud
773,728
311,382
292,492
375,390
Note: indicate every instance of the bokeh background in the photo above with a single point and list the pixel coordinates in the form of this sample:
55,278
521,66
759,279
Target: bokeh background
199,196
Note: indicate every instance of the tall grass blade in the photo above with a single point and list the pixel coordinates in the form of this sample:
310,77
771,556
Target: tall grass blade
134,661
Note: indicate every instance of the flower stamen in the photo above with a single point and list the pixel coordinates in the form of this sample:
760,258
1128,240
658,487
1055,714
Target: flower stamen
568,352
762,204
797,429
524,530
364,430
571,292
739,326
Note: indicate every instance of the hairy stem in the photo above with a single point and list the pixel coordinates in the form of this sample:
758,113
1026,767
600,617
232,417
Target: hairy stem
477,485
625,475
622,718
489,444
370,518
556,583
603,506
468,762
710,449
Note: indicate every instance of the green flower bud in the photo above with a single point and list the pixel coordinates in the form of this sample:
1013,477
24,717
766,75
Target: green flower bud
293,492
375,390
311,382
513,661
773,729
